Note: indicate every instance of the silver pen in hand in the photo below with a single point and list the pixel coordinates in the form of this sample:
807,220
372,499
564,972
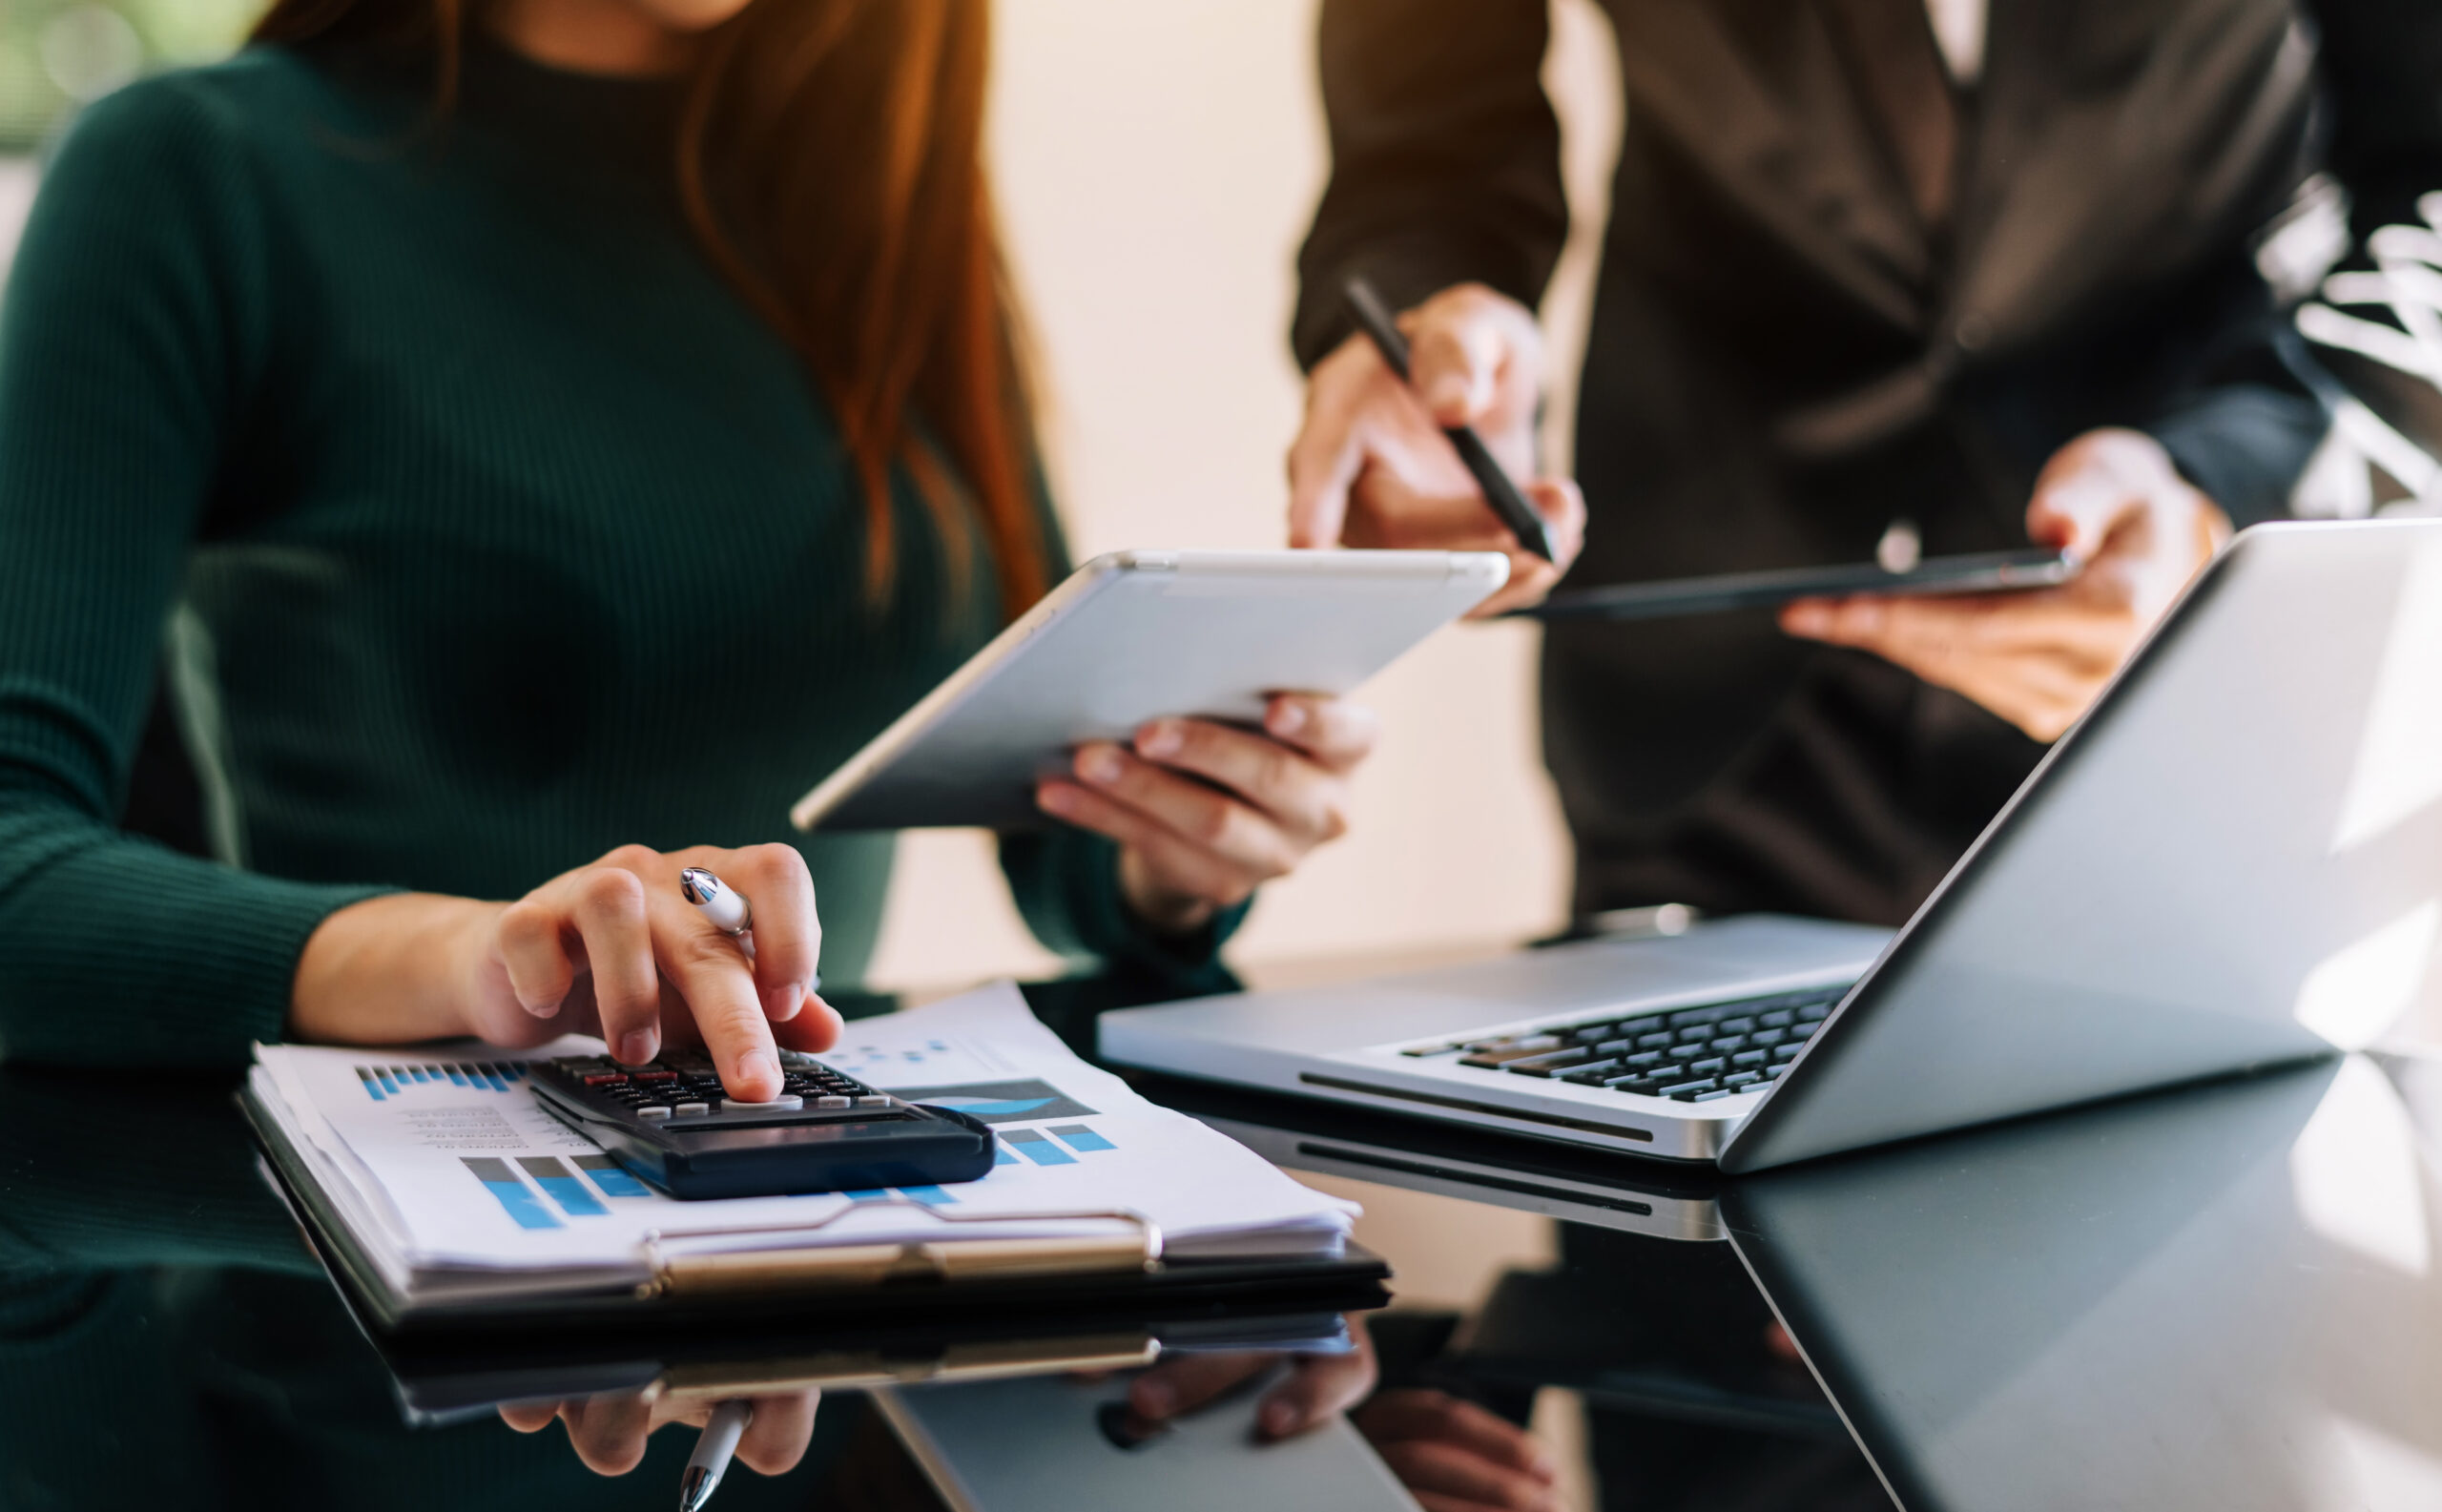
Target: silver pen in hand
713,1449
724,908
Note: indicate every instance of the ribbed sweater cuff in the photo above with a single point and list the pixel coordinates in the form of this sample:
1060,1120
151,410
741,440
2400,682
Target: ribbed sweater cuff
203,959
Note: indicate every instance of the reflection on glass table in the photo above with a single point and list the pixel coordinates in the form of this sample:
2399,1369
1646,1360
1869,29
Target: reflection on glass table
2225,1297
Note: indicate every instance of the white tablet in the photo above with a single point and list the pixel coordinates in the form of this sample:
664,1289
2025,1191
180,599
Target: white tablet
1140,636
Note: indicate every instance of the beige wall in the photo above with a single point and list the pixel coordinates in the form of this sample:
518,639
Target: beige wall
1157,164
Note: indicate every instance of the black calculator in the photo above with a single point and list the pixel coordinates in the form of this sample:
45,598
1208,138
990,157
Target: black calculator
670,1122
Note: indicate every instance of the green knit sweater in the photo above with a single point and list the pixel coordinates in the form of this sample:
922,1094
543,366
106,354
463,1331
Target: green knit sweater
476,525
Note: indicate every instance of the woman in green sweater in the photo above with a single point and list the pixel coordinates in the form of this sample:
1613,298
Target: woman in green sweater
535,441
532,438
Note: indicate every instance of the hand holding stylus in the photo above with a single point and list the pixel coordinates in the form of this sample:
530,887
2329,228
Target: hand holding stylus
1374,465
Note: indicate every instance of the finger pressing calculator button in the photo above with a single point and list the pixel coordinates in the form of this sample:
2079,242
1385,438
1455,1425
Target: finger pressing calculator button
735,1106
691,1110
830,1102
652,1110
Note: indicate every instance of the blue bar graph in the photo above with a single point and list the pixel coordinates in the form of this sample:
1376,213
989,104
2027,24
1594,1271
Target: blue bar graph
575,1198
1080,1137
611,1177
1035,1147
523,1208
1001,1155
381,1083
869,1194
930,1196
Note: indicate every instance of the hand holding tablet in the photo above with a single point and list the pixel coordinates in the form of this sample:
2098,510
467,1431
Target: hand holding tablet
1187,704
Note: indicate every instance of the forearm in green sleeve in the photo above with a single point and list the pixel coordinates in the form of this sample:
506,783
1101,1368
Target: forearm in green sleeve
122,953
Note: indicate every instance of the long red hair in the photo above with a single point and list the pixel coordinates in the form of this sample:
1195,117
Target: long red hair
830,161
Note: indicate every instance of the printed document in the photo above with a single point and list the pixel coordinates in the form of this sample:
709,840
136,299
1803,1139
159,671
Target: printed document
450,1176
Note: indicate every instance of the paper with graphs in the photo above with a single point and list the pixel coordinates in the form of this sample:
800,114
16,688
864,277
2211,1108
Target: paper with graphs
453,1179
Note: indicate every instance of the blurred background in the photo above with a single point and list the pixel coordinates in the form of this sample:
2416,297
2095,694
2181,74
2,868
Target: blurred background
1157,165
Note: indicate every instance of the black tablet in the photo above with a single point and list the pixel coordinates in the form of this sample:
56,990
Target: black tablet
1982,572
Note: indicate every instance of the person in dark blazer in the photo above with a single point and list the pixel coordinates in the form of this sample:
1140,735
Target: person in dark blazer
1946,271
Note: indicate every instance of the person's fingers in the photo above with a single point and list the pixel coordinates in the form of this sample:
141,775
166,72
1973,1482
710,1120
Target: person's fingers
2055,621
1185,1382
529,1417
1243,838
609,1432
711,972
1427,1466
788,930
1530,576
1562,507
1456,353
1334,732
1329,450
1477,357
1181,865
783,1425
2079,514
1296,794
608,905
1419,1414
814,1029
1321,1387
534,950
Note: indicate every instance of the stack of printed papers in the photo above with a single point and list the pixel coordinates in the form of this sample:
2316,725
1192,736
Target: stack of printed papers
455,1185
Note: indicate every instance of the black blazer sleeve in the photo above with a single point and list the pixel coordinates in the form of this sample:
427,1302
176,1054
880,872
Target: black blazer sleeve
1446,156
2246,438
2382,68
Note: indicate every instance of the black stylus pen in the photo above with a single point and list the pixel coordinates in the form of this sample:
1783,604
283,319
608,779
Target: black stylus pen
1374,318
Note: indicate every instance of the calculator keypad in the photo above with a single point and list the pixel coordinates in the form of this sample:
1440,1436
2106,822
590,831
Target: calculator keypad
682,1089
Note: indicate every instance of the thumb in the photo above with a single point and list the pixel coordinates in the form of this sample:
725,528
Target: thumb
1455,352
2077,513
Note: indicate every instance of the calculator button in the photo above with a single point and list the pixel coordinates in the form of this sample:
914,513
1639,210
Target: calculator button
652,1110
691,1110
734,1106
605,1079
873,1102
830,1102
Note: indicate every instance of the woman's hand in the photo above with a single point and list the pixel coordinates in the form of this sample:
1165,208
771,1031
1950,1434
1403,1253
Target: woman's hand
609,1432
2111,498
1205,813
612,949
1371,467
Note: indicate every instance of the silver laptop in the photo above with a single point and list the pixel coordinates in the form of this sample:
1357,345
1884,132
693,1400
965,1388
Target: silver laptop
2235,860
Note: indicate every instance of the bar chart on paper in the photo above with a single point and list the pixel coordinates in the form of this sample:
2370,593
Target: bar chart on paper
383,1083
1059,1145
524,1209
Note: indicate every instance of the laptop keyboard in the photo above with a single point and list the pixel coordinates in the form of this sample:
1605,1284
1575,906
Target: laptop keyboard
1690,1055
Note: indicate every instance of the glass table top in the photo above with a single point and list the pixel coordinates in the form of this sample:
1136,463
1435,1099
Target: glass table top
2220,1296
